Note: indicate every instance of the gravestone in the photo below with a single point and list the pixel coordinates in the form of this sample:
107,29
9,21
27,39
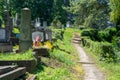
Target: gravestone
5,33
25,30
44,24
37,34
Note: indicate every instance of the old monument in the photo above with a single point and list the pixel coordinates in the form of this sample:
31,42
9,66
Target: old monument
25,40
5,33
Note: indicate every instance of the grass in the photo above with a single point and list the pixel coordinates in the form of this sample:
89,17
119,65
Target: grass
13,56
62,63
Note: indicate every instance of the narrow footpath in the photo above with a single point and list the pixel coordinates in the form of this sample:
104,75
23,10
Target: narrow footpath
91,71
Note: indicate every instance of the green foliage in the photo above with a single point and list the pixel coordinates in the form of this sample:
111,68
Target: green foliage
57,34
95,35
107,52
15,30
107,34
115,14
91,13
61,56
118,34
103,49
21,56
64,48
58,13
91,33
88,21
116,43
53,74
39,8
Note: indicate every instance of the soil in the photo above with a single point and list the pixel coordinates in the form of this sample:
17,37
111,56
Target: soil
88,65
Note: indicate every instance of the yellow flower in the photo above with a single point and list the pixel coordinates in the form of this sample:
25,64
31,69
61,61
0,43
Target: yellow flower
48,45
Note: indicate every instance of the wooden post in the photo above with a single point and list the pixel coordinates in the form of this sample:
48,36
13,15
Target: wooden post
25,30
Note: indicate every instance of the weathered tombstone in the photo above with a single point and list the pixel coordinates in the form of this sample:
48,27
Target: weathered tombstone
48,34
44,24
25,30
5,33
37,34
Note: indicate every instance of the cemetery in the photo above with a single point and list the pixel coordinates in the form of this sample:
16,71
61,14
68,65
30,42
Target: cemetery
36,39
59,39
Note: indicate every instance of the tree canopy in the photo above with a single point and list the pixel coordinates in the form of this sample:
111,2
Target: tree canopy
115,14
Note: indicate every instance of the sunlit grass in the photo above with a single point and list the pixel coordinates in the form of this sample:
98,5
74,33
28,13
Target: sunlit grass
53,74
17,56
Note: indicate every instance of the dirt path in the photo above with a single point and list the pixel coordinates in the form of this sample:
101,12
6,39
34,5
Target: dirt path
91,71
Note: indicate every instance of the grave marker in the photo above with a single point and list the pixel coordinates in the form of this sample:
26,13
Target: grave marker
25,30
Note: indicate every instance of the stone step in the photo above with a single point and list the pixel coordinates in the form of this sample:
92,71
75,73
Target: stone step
11,75
5,69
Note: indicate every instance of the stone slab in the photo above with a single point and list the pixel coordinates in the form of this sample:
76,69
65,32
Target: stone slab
13,74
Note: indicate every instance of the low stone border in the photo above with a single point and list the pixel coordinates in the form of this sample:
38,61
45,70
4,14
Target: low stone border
29,64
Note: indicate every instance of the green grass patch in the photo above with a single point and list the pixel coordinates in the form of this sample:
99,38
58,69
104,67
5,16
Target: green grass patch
53,74
17,56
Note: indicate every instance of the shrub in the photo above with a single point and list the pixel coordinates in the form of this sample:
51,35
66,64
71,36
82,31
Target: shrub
116,43
106,35
92,33
58,34
118,33
107,52
103,49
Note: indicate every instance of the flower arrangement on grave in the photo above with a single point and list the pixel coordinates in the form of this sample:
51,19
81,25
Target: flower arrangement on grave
38,44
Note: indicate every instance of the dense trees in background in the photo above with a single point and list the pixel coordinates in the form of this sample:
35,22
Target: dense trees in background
59,15
46,10
1,8
115,14
39,8
90,13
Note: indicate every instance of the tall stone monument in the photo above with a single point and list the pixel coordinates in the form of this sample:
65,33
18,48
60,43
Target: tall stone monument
25,30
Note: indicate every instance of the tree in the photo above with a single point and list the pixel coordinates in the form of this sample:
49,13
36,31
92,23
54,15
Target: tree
46,10
58,13
115,14
90,13
39,8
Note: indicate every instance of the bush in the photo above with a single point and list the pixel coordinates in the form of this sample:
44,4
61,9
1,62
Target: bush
107,34
118,33
103,49
58,34
107,52
92,33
